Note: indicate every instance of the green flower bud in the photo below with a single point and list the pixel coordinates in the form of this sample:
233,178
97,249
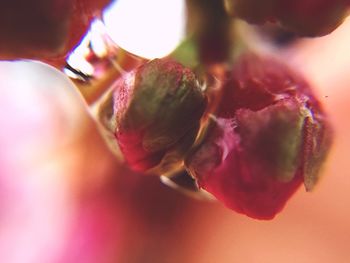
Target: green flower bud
156,113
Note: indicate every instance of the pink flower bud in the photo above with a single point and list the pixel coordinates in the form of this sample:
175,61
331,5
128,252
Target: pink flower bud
269,136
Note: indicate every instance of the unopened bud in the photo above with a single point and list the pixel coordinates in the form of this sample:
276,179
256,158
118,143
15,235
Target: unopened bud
156,113
269,136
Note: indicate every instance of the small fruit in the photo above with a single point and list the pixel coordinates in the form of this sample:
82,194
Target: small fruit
269,135
156,114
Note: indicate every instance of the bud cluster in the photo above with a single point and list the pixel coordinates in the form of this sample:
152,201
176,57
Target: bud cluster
267,136
251,141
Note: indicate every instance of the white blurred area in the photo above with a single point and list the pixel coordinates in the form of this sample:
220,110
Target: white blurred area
149,29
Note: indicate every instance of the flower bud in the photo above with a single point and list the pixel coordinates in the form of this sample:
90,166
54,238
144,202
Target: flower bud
156,114
269,136
305,17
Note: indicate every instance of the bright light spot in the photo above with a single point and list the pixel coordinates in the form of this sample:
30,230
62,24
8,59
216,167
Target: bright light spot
98,43
76,60
148,28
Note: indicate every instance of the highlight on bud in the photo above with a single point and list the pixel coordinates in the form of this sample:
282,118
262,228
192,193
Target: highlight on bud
269,135
155,115
304,17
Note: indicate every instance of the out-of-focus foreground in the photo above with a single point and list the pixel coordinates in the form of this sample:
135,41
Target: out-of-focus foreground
64,197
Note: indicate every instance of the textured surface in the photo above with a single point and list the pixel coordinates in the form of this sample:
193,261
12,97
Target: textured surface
157,109
268,136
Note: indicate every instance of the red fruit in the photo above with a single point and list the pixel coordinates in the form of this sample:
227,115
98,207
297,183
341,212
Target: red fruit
44,29
305,17
156,114
268,137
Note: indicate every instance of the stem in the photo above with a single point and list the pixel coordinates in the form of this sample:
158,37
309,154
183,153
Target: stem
209,26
